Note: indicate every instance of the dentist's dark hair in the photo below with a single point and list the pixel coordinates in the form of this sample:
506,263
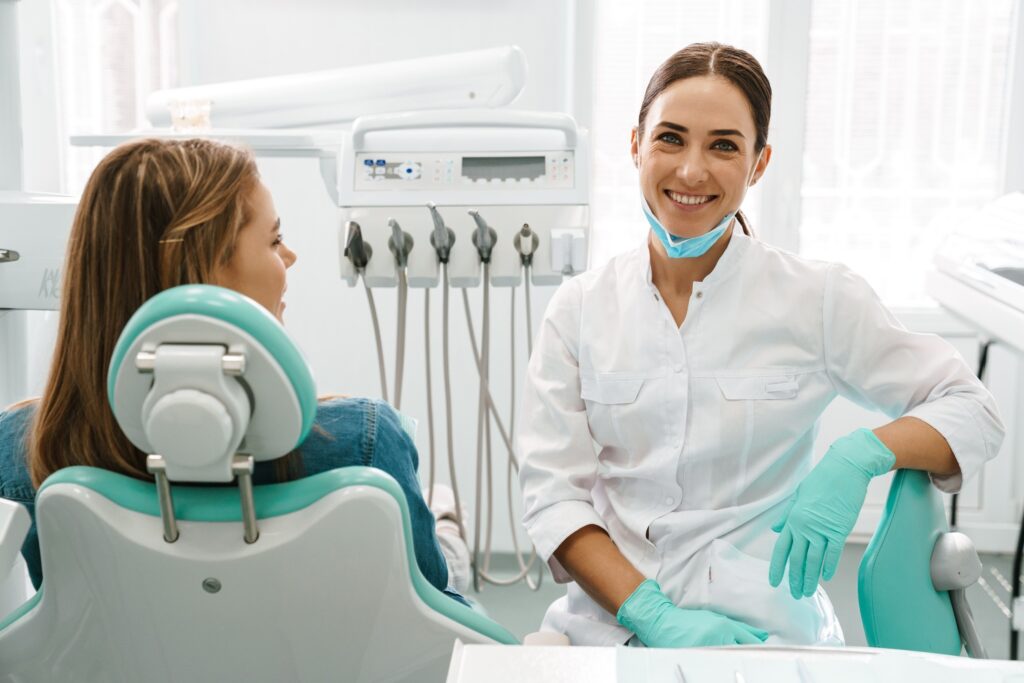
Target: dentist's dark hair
738,66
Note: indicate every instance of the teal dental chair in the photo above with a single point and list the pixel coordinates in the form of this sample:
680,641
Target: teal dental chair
177,580
914,575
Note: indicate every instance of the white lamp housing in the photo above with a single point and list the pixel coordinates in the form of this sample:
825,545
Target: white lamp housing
481,78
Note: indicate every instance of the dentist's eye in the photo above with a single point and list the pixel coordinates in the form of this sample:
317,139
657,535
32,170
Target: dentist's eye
724,146
670,138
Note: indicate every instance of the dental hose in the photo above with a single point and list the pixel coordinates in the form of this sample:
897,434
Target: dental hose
530,582
480,420
403,296
376,336
492,409
448,399
430,394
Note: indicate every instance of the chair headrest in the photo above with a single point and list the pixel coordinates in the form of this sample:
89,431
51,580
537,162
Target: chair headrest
201,373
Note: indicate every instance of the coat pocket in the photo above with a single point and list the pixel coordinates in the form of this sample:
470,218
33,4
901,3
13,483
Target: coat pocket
737,587
620,412
610,390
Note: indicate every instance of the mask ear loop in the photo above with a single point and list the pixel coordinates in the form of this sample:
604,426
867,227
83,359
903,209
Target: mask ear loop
750,180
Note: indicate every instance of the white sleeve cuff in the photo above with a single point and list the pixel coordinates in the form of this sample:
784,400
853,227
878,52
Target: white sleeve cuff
957,425
550,527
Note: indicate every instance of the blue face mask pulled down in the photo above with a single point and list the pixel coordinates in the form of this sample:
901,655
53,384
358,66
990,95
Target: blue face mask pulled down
683,247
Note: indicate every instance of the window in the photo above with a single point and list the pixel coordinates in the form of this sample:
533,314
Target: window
905,123
111,55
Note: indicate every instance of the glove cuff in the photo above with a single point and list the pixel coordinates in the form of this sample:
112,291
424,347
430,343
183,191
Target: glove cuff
642,608
867,452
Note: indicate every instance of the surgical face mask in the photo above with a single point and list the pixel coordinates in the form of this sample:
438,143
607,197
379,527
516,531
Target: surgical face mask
683,247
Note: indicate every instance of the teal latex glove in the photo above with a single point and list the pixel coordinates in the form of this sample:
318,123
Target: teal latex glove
649,614
819,517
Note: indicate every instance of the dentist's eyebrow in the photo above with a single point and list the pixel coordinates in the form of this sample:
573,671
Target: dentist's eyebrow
684,129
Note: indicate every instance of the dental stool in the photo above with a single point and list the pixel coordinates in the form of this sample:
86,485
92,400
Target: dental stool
187,580
914,574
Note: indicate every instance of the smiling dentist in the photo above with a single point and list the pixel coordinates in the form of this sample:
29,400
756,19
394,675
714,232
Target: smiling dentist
699,365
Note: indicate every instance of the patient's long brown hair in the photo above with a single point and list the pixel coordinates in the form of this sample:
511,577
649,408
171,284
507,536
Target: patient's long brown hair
155,214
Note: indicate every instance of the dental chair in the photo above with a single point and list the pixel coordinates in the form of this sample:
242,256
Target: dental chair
914,575
182,579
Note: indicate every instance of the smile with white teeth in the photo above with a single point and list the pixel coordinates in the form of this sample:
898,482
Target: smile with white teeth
692,199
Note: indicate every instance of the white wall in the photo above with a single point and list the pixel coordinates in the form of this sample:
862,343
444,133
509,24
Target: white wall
26,337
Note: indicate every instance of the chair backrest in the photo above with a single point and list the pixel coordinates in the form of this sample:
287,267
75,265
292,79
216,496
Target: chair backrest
331,590
899,606
313,579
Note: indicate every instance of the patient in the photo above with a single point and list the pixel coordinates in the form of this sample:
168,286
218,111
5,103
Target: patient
157,214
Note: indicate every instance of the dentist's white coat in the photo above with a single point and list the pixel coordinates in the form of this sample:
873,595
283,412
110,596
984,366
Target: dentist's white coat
684,442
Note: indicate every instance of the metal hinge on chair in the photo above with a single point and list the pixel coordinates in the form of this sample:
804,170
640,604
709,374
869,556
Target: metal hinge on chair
241,466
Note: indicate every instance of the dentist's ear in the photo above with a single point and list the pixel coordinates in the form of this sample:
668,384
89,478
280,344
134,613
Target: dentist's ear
634,147
760,165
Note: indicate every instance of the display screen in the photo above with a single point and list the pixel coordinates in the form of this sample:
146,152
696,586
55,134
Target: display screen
502,167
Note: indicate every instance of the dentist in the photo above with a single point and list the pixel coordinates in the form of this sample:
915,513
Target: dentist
674,394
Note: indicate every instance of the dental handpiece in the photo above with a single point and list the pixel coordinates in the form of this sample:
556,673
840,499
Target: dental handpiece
442,238
356,249
526,243
400,243
484,237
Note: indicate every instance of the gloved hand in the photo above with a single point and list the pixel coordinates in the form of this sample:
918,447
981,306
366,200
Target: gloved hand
821,514
659,623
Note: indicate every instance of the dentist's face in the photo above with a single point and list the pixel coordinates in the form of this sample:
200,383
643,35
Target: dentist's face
696,156
260,260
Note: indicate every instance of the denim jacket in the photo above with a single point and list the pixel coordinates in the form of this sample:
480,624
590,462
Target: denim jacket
354,431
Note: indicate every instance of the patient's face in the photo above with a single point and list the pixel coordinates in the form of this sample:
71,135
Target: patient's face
259,263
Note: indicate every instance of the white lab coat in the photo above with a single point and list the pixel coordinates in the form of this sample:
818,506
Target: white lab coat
683,443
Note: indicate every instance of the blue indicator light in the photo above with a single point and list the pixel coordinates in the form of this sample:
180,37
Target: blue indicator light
380,162
367,162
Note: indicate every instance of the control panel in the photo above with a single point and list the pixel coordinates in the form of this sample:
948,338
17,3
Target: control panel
433,171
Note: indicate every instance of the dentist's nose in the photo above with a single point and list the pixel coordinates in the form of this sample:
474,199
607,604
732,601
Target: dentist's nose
692,169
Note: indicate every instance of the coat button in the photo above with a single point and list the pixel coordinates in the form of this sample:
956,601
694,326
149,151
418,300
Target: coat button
700,295
670,501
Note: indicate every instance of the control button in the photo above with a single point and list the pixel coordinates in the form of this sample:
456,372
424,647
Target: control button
565,160
379,171
367,162
408,170
467,181
380,162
